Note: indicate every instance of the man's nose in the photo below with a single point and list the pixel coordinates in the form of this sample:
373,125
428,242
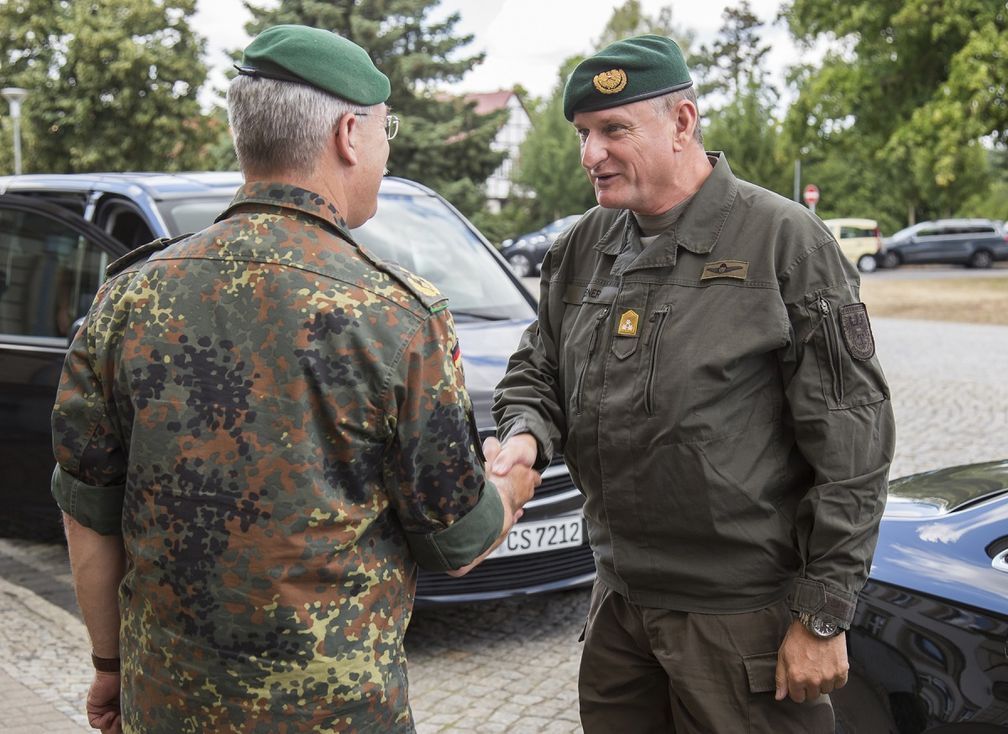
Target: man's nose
592,153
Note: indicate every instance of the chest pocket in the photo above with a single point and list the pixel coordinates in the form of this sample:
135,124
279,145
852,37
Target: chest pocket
629,324
584,331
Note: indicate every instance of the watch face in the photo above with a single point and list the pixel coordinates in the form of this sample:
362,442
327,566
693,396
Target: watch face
823,628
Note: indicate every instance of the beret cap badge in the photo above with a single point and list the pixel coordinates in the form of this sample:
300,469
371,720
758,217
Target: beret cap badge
610,82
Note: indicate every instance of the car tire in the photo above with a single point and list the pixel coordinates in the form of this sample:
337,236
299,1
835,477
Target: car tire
867,264
980,259
520,264
890,260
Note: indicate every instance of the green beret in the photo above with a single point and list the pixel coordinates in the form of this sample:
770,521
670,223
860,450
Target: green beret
626,71
318,58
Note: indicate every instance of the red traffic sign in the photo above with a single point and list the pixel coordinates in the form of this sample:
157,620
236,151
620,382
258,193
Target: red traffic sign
811,194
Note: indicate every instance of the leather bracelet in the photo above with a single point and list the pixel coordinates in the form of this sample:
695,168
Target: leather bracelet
105,665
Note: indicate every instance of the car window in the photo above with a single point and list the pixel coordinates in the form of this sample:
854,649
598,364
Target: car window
852,232
425,236
191,215
49,275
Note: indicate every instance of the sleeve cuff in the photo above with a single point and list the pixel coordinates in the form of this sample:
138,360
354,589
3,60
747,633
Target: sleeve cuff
813,597
98,508
465,539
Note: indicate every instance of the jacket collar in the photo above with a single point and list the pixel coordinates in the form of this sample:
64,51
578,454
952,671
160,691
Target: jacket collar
697,230
286,196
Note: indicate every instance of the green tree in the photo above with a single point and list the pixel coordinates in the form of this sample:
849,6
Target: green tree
113,83
442,142
919,84
551,160
738,104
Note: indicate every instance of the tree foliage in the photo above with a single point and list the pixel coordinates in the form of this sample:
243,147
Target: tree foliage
917,85
112,83
442,142
739,104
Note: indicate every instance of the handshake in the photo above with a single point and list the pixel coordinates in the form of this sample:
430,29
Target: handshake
509,467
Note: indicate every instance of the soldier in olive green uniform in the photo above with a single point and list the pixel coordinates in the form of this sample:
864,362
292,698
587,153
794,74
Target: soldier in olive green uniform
261,430
703,361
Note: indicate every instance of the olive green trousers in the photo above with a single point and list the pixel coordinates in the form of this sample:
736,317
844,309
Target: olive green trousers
647,670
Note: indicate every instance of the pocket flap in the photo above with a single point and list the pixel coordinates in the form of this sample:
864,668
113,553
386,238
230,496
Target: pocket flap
761,670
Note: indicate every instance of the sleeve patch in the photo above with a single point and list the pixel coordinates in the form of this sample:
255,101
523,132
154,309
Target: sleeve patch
856,330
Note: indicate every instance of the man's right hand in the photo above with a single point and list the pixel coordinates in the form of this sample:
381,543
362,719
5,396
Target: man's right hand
516,485
520,449
517,482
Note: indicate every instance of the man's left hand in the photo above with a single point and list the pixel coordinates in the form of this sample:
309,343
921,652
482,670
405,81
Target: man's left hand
809,666
103,703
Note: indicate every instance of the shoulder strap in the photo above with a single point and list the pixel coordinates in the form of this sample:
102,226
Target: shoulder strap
141,254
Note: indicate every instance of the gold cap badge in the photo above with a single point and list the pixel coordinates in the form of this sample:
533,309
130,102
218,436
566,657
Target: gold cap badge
610,82
628,323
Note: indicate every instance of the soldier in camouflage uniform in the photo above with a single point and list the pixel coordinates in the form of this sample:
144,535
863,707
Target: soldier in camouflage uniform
261,431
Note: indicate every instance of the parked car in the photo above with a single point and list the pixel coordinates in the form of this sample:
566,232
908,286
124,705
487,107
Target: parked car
57,235
859,239
929,642
525,254
976,243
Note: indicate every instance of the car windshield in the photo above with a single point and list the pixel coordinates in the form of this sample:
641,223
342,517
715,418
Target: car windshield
419,233
905,233
424,236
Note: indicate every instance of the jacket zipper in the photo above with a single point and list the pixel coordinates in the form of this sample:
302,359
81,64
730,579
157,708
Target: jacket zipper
833,349
653,339
584,366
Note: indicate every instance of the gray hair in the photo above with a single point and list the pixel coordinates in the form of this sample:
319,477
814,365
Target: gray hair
281,127
664,103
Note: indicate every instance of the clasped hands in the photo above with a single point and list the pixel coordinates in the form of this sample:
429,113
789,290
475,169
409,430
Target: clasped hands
510,469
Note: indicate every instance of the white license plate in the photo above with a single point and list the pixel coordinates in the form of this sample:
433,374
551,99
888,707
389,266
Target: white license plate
545,535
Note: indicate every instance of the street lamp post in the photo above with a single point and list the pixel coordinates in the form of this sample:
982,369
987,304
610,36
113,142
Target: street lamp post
14,97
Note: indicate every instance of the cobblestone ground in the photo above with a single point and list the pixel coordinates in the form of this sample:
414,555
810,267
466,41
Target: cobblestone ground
512,666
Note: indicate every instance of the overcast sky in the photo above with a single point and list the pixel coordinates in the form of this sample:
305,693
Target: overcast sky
525,41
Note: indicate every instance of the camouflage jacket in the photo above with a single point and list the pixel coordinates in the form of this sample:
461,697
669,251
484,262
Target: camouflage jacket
276,423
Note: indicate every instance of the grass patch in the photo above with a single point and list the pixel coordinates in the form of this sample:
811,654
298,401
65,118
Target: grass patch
970,300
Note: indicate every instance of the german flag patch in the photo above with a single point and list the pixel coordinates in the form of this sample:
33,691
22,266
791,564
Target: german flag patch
456,353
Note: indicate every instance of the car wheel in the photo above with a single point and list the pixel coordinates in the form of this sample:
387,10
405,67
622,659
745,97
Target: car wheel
867,264
980,259
520,264
890,260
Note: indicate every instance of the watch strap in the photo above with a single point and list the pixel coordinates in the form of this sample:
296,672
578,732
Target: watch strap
105,665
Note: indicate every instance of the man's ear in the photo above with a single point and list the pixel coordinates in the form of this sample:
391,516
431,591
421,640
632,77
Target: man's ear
685,123
345,130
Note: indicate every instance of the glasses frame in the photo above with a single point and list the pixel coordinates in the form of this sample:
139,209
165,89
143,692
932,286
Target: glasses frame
391,123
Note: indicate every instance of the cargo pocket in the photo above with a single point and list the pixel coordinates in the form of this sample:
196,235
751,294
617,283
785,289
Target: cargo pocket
849,374
761,671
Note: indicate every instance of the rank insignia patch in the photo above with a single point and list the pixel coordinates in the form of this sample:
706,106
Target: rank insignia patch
610,82
738,269
628,323
856,330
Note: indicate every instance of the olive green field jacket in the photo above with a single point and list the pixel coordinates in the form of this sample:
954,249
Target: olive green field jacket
718,403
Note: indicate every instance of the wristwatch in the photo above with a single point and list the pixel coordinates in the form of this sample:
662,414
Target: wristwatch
819,626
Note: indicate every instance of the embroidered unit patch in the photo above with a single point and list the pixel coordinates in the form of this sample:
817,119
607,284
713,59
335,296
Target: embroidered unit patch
856,330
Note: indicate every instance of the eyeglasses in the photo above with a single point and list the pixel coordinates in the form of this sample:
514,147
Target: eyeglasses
391,124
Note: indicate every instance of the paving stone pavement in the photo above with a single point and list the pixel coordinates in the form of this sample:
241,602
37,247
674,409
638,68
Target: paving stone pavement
511,666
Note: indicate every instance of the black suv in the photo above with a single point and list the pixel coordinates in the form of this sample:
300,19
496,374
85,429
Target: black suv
59,232
976,243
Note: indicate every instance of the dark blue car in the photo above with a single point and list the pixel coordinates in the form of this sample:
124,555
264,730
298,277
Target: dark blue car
59,232
929,643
